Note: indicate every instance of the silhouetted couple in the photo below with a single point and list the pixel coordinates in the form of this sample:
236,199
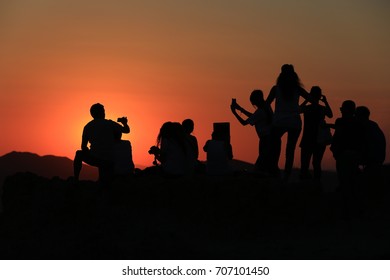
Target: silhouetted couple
357,141
176,151
106,151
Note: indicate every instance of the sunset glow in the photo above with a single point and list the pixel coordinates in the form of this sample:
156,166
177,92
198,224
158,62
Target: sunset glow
157,61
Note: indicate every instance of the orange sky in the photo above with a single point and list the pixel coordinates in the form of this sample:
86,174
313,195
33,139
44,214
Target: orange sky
155,61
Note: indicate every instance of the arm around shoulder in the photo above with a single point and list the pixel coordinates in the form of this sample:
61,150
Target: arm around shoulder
328,110
271,95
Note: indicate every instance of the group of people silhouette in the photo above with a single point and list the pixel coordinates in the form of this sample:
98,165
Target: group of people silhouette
357,141
286,119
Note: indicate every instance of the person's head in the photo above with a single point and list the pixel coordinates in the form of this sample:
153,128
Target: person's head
257,97
188,126
362,113
165,131
172,130
287,69
348,108
288,80
97,111
316,93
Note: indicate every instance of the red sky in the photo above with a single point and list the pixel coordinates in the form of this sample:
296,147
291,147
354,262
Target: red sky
155,61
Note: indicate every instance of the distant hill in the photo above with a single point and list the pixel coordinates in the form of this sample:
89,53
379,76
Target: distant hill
46,166
54,166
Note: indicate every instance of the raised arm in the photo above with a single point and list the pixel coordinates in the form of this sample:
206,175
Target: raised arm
328,110
304,94
234,108
303,106
245,112
125,127
238,117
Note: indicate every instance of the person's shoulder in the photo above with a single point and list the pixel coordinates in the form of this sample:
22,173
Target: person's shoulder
109,121
257,112
374,125
339,122
90,124
112,123
273,90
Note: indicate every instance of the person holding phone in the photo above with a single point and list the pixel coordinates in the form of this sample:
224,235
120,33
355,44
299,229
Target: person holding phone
261,119
313,118
102,135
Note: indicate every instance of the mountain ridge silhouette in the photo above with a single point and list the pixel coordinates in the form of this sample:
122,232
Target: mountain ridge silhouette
59,166
46,166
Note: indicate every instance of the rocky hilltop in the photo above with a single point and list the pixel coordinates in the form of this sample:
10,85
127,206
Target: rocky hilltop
150,217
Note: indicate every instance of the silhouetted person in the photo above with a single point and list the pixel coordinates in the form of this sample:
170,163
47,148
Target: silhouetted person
374,141
347,147
102,135
188,127
313,118
374,153
286,119
261,119
219,153
173,151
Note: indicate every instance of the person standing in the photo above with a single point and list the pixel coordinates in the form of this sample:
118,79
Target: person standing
347,148
374,147
313,118
261,119
286,94
373,155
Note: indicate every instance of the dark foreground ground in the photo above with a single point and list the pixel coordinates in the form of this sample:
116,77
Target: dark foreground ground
233,217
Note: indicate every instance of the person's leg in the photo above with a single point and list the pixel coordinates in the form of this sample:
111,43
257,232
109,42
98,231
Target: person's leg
275,149
265,146
258,164
306,154
347,171
318,154
292,139
83,156
262,162
77,164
